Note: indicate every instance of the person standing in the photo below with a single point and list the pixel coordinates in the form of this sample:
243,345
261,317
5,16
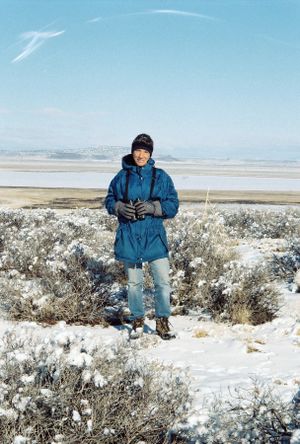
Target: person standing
142,196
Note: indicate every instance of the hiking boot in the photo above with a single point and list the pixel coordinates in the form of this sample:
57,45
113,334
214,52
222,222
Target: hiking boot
163,328
137,328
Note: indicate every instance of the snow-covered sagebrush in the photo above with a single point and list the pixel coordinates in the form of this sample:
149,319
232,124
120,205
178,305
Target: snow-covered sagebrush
257,415
61,266
258,224
57,267
200,248
68,389
297,280
88,384
243,294
206,273
286,264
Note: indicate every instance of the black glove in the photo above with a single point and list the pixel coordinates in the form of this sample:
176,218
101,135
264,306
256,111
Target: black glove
126,210
144,207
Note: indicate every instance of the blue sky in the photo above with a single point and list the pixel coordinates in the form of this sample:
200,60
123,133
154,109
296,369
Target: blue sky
203,77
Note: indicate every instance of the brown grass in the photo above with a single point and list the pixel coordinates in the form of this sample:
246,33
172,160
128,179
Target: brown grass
64,198
199,333
241,315
252,349
260,341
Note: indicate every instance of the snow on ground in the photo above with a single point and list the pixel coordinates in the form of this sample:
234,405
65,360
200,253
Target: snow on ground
71,179
220,357
230,355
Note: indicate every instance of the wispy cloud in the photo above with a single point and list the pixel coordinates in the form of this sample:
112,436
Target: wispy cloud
279,41
95,20
51,111
34,39
182,13
157,11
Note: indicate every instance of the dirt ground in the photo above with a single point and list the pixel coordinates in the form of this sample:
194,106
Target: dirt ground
67,198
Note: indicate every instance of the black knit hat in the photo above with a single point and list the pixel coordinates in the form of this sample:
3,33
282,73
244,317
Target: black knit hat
144,142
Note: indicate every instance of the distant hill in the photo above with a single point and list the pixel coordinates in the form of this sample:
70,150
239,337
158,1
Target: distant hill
167,158
101,152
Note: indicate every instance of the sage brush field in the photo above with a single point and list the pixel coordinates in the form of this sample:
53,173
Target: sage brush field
61,382
61,267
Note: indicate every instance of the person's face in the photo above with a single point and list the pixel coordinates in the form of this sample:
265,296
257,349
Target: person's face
141,157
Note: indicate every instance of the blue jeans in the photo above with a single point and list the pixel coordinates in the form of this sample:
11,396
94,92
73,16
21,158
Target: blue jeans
160,269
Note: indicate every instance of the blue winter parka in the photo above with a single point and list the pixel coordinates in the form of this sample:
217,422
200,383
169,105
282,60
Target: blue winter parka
143,240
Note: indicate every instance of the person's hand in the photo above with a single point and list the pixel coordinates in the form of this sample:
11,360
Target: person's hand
126,210
144,207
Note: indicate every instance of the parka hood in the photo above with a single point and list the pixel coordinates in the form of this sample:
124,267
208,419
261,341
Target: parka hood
129,164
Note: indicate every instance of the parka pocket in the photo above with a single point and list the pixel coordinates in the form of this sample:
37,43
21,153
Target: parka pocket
124,246
155,245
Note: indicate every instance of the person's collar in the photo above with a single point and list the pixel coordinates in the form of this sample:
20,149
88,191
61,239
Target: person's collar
128,163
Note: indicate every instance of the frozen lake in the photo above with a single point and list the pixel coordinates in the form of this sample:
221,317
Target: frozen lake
91,179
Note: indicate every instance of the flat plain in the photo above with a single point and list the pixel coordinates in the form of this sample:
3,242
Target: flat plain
15,196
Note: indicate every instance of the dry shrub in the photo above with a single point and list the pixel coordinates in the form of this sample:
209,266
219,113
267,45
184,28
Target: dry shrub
258,224
75,294
252,349
204,274
244,294
59,393
200,248
61,267
285,265
57,267
297,280
200,333
72,296
257,415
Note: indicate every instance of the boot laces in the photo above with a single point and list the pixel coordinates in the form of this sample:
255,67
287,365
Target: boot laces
163,325
138,323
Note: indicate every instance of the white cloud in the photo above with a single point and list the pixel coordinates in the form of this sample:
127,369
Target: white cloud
51,111
35,39
182,13
54,112
157,11
95,20
279,41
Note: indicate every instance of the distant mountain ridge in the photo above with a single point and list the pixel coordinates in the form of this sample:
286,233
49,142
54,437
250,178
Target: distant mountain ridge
113,153
101,152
